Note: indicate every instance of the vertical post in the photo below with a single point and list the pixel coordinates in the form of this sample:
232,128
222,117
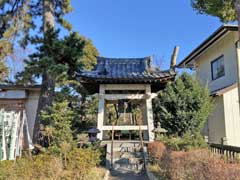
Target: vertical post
222,147
145,121
12,137
238,71
112,146
237,10
149,113
1,142
3,155
101,109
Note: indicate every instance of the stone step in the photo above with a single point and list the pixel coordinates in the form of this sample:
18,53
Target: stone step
127,149
128,161
132,155
127,144
126,155
128,167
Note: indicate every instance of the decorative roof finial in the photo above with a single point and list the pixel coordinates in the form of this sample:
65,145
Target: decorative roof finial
174,57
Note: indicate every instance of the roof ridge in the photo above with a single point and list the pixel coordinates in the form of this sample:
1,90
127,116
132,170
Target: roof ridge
229,25
122,58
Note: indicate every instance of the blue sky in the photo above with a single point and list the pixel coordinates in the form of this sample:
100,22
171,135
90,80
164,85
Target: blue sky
138,28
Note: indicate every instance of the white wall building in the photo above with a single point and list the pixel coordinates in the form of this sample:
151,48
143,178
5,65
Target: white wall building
216,64
18,107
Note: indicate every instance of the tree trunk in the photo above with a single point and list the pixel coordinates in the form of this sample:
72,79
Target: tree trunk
45,100
48,14
48,82
237,8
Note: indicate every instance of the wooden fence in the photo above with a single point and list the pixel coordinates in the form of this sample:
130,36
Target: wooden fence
231,152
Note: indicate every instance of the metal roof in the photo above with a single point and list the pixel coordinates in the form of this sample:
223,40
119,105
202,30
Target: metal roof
125,70
221,31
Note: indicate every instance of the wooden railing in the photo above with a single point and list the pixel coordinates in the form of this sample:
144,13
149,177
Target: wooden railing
231,152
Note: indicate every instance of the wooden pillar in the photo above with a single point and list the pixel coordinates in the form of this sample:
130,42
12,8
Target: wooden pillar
149,113
145,120
101,109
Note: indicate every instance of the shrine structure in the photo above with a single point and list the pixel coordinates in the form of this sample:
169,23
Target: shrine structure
125,87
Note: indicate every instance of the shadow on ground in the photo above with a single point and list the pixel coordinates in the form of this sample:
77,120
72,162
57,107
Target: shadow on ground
119,175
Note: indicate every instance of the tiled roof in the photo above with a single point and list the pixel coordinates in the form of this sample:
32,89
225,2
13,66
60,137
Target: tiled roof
125,70
17,86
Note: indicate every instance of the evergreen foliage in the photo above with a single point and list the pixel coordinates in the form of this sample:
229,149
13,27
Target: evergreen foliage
18,18
57,120
55,61
189,141
88,114
183,106
225,10
60,58
89,54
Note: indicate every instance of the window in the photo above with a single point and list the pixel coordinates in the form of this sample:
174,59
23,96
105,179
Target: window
218,68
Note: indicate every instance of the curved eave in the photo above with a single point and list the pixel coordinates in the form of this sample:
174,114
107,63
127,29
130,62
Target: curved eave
92,84
124,80
147,78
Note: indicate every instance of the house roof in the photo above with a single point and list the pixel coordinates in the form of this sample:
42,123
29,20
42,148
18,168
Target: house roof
220,32
125,70
220,92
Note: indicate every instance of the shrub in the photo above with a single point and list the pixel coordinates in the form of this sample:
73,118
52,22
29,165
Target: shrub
156,150
195,165
187,142
40,167
184,165
200,165
80,162
57,120
158,172
183,106
96,174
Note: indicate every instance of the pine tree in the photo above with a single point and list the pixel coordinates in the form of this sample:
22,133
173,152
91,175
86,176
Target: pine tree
225,10
60,59
17,18
183,106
